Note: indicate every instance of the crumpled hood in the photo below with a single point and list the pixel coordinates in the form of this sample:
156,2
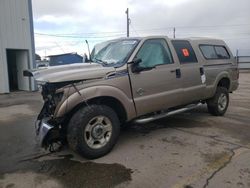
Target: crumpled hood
72,72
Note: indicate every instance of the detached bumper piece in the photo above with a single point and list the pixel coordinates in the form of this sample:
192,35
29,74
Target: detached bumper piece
43,132
48,136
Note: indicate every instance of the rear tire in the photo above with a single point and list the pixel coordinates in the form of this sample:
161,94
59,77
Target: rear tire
93,131
218,104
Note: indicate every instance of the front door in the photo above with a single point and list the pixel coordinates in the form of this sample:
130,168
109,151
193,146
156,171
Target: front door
158,86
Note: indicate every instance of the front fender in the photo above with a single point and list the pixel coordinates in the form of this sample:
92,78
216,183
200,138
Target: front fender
93,92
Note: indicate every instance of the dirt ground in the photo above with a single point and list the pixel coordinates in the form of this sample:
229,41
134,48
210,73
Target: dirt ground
192,149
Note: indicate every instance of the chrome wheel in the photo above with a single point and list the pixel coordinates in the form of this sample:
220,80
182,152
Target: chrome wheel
98,132
222,102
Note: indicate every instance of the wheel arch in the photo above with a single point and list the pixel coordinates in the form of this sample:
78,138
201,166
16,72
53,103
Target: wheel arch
222,80
106,95
111,102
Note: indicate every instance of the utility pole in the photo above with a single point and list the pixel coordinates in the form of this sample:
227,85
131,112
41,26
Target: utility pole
128,20
45,55
174,33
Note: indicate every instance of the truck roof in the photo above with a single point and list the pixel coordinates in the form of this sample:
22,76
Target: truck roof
193,40
206,40
203,40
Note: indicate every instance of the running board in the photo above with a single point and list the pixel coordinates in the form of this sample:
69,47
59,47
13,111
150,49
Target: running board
163,115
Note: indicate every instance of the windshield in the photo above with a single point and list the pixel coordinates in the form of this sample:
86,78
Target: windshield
113,53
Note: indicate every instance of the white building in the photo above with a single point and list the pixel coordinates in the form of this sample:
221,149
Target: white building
17,51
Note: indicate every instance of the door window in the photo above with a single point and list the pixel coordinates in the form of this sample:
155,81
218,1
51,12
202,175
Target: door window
184,51
154,52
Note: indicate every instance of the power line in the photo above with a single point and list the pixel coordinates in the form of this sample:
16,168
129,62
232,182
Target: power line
103,37
76,36
80,35
95,33
222,33
193,27
134,30
237,38
201,26
98,36
60,47
92,33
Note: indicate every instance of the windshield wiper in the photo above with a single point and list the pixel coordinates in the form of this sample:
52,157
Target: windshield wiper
101,61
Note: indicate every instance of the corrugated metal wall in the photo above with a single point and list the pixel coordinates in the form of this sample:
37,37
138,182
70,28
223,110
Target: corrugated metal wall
16,32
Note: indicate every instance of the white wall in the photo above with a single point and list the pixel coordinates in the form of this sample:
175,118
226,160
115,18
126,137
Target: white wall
16,32
22,59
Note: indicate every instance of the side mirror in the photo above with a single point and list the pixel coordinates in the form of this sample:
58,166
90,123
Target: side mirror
135,65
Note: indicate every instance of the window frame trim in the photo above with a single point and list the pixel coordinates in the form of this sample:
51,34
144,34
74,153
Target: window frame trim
214,45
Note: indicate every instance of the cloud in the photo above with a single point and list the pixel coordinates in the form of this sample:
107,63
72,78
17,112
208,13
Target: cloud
224,19
60,20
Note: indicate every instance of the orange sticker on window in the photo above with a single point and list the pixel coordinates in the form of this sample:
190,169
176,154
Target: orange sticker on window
185,52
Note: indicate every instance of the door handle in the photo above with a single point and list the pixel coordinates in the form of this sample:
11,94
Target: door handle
202,70
177,72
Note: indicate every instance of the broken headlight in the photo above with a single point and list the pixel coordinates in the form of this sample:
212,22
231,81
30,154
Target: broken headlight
58,97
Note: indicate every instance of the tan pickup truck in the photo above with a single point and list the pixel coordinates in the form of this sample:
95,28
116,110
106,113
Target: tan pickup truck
131,79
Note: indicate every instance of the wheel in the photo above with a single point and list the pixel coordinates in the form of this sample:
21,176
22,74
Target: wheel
93,131
218,104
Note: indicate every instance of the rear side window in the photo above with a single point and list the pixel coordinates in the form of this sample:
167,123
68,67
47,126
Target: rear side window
221,52
208,52
214,52
184,51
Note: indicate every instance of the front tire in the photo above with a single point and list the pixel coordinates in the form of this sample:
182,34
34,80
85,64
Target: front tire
93,131
218,104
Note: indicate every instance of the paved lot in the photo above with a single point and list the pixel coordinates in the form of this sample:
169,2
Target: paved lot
192,149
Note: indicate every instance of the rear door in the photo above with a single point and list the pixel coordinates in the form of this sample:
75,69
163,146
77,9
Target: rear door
158,86
192,72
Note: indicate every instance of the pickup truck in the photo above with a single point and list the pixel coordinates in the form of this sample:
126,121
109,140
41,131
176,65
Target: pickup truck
131,80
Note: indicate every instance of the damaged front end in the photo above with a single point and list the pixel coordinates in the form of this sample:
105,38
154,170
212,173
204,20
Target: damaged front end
56,82
49,129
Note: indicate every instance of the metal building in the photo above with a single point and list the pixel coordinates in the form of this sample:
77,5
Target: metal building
17,51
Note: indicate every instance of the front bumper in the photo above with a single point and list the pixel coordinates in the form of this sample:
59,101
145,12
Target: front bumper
43,132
